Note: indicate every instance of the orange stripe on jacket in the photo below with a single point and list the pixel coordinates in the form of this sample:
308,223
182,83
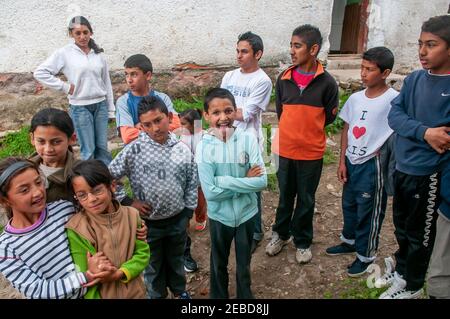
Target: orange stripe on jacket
300,135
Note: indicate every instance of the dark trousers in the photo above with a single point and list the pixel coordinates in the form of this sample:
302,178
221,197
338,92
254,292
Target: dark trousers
415,205
297,179
259,234
166,268
364,205
221,238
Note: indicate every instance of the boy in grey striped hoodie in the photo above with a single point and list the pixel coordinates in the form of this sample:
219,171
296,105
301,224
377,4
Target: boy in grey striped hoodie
163,178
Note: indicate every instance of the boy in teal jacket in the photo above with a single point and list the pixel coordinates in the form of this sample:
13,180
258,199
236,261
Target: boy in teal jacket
231,170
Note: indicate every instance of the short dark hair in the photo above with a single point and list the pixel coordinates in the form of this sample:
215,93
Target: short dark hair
53,117
191,115
218,93
439,26
95,172
139,61
310,34
381,56
151,103
254,40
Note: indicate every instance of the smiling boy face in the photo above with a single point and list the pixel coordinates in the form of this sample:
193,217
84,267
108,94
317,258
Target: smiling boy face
221,114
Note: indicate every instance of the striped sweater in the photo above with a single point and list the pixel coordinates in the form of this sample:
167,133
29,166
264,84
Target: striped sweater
38,262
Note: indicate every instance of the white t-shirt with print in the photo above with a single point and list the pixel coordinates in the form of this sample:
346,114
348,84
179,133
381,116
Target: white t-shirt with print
368,124
252,93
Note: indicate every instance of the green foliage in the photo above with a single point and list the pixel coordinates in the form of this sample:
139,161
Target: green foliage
327,295
181,105
16,144
272,96
116,151
112,123
1,228
125,180
272,182
338,124
329,157
359,290
127,186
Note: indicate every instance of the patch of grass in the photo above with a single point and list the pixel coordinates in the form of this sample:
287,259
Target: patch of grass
327,295
16,144
329,157
1,228
359,290
111,123
115,152
272,182
125,181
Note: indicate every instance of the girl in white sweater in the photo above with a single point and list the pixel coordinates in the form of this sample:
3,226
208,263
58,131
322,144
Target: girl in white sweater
88,87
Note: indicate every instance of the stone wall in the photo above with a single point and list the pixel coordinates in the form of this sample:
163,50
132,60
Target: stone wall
21,96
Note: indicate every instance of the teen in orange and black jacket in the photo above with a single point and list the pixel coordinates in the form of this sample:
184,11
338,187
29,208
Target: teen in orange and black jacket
300,145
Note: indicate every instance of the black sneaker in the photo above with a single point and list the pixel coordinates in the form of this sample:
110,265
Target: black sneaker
190,265
358,268
340,249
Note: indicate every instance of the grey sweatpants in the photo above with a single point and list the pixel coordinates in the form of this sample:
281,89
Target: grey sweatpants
439,270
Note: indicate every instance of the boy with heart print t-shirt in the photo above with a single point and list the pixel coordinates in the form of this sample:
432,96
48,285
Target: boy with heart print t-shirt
365,131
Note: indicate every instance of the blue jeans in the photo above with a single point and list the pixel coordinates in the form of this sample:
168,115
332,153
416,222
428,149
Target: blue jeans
91,126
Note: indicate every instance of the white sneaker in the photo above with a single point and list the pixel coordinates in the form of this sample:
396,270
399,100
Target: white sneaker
398,285
276,244
388,278
303,256
407,294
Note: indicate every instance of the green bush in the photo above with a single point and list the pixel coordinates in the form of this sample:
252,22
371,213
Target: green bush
180,105
16,144
338,124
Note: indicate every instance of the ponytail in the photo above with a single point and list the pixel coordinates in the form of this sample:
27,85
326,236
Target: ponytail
94,46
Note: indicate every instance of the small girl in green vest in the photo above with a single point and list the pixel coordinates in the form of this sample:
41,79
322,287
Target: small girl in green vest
102,224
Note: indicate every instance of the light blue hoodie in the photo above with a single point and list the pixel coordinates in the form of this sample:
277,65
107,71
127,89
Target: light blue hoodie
222,168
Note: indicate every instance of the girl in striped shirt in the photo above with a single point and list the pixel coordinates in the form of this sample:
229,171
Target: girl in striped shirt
34,251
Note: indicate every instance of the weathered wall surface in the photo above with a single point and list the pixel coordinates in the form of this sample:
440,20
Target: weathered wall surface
169,32
397,24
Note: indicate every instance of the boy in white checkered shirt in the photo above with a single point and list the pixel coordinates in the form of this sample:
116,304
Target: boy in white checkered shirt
163,178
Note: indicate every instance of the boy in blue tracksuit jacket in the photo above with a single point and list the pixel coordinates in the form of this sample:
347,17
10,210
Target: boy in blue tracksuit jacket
420,116
231,170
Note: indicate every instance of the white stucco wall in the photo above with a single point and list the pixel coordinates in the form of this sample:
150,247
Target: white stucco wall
169,32
397,24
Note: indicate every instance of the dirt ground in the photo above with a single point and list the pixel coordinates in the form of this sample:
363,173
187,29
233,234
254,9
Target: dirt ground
281,276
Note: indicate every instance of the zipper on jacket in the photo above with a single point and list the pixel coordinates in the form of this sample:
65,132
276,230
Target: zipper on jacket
116,259
230,168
